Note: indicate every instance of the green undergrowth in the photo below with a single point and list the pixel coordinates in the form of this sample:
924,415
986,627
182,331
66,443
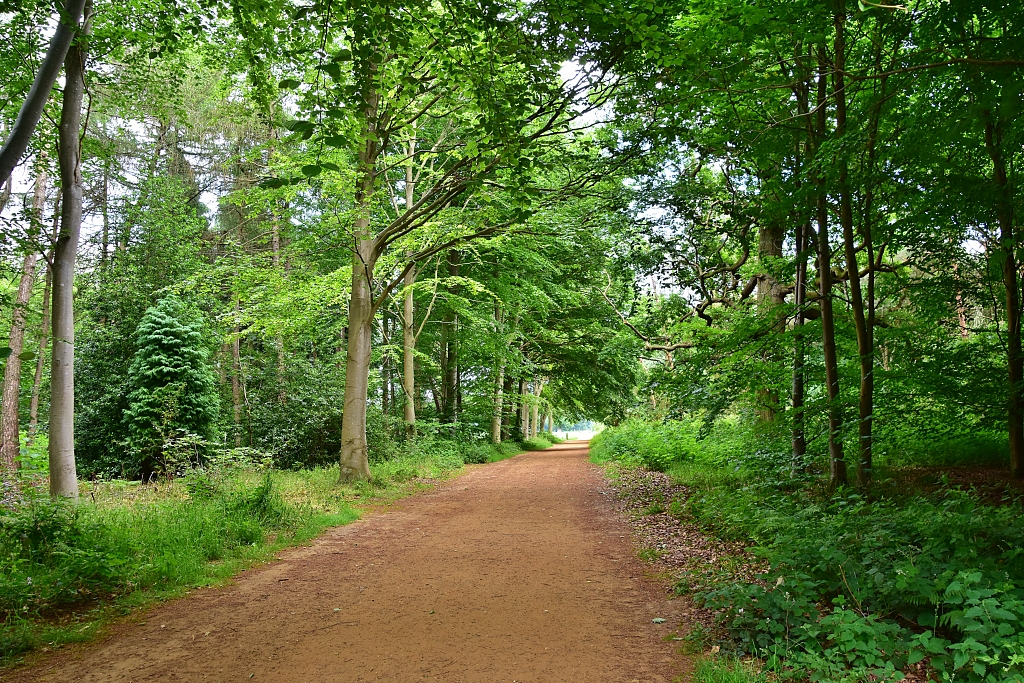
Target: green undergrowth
853,585
65,569
727,670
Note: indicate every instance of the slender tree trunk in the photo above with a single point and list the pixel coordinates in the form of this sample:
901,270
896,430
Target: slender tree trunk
770,297
44,333
837,463
236,377
32,109
449,348
275,248
800,301
409,309
10,441
1008,244
105,207
506,410
409,354
63,474
865,348
538,386
498,408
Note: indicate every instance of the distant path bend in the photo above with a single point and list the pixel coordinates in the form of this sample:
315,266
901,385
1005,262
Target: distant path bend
516,571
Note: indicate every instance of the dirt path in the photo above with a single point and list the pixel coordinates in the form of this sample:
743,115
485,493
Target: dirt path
515,571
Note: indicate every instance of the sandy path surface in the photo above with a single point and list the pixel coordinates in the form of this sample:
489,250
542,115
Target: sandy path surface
516,571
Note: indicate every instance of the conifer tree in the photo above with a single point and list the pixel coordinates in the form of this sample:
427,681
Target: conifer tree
173,401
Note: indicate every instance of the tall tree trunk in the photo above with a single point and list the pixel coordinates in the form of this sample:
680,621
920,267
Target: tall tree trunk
409,354
497,408
1008,244
44,333
449,347
538,386
354,459
236,377
864,336
275,248
354,455
63,474
507,408
32,109
837,463
799,438
105,207
770,297
10,441
498,401
409,309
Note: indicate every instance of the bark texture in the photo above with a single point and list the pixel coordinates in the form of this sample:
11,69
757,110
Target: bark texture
63,474
409,354
32,109
9,429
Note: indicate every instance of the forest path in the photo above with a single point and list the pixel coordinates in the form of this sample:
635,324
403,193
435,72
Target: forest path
515,571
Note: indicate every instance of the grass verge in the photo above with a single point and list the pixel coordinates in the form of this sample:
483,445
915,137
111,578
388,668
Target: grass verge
67,571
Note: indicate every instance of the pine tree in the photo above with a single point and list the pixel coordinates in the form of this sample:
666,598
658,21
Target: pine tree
173,404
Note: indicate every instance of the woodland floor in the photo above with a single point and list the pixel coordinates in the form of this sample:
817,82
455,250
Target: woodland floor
523,570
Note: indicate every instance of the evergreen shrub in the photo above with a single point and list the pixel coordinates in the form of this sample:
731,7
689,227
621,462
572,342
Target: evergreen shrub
173,402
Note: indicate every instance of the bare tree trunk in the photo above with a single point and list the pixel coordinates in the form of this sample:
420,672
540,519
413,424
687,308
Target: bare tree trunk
450,348
409,354
1008,243
10,438
39,93
525,408
538,386
275,248
44,333
105,207
506,410
837,463
354,455
498,407
63,474
864,341
799,439
236,377
770,297
354,459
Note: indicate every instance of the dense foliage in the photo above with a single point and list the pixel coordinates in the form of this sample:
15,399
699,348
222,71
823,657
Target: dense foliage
765,240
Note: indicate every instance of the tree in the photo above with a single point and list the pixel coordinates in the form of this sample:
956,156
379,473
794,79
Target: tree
173,391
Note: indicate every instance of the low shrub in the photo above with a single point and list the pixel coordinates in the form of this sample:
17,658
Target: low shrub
549,436
537,443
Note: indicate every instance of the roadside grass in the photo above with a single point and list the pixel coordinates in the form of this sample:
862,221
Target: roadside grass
727,670
66,571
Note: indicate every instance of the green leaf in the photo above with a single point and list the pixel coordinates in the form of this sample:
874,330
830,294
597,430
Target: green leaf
339,141
312,170
5,352
27,355
289,84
